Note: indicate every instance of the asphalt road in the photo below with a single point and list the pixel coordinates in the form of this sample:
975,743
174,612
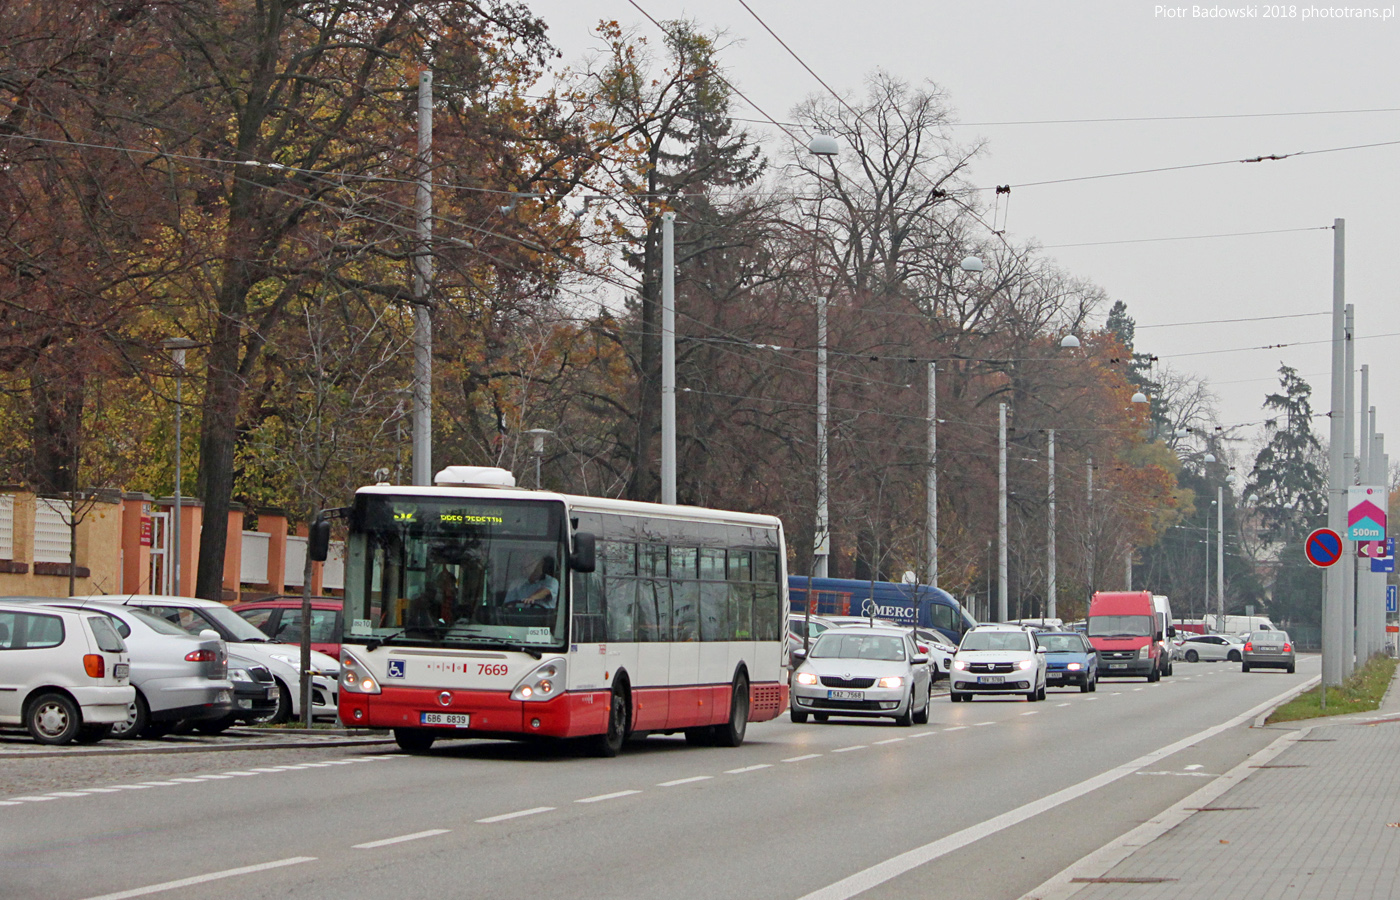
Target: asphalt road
987,801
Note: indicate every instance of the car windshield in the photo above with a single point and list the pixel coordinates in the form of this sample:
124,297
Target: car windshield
194,619
1120,626
1061,643
859,646
156,623
996,640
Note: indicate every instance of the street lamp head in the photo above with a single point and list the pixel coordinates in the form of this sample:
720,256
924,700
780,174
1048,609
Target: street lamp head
1209,457
1231,479
177,348
971,264
1139,397
537,436
1069,342
823,145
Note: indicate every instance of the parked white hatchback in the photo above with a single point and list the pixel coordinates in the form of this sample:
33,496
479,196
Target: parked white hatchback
999,659
64,673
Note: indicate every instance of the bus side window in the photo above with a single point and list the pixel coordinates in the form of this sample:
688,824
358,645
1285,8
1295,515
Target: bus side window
621,597
714,610
740,611
766,616
589,623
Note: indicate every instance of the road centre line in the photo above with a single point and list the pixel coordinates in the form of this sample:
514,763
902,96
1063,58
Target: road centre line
748,769
922,734
514,815
186,780
31,799
69,794
847,749
800,758
889,741
201,879
691,780
983,724
10,803
897,865
956,728
160,783
613,796
370,845
1062,704
1031,713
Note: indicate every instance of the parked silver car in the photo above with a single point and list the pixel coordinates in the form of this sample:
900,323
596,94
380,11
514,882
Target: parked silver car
1268,650
861,671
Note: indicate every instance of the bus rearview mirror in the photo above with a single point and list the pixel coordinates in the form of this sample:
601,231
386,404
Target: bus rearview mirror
584,557
318,540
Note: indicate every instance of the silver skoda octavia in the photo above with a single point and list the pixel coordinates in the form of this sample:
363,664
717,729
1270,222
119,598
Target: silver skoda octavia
861,671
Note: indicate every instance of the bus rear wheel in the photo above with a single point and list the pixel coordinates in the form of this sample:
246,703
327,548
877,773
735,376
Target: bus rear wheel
414,740
731,733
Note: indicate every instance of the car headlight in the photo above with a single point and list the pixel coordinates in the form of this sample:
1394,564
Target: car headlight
239,675
960,665
1025,664
1144,651
544,683
806,678
1074,667
891,681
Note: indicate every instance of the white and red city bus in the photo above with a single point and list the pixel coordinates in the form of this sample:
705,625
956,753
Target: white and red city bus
477,609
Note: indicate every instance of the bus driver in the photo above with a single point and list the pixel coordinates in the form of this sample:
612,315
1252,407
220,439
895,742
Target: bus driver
539,588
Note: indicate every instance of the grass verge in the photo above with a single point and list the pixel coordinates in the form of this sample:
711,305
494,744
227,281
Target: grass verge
1362,692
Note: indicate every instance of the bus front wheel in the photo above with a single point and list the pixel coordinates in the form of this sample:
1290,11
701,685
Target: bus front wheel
609,744
414,740
731,733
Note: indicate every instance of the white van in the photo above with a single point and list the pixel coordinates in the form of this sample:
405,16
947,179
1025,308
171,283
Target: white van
64,673
1164,628
1239,624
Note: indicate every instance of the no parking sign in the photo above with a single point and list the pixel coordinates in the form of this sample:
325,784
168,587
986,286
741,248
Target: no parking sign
1323,547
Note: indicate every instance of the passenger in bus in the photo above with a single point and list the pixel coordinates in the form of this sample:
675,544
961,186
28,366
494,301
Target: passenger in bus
538,588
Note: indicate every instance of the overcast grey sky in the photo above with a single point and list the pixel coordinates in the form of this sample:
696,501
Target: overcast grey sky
1012,61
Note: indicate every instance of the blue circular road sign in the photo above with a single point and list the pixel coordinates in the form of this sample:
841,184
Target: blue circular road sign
1323,547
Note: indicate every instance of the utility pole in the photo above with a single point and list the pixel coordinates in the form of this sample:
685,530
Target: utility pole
1220,554
1362,567
931,491
1050,533
1349,469
1336,482
1001,514
823,536
1093,536
422,285
668,358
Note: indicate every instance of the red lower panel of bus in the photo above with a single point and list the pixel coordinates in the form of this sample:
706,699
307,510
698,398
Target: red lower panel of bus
571,715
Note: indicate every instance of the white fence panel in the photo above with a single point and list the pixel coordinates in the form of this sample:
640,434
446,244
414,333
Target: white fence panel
7,526
333,571
51,538
296,561
254,566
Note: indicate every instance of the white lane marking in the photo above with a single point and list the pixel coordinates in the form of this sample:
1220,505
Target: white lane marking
956,728
131,787
102,790
848,749
514,815
1062,704
800,758
1137,689
1090,699
983,724
265,771
1193,768
890,741
186,780
212,777
1031,713
201,879
160,783
891,868
31,799
69,794
370,845
613,796
10,803
691,780
748,769
240,774
922,734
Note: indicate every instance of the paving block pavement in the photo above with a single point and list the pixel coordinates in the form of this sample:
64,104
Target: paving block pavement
1319,820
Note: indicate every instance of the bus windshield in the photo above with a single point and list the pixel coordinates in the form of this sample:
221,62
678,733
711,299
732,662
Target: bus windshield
455,572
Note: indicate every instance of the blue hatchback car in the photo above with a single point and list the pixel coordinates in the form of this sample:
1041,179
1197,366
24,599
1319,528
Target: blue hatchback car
1070,660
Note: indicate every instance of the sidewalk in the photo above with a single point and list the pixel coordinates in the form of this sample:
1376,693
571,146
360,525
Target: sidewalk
1314,815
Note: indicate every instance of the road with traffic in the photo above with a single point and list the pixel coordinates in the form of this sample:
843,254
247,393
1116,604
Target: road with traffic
989,800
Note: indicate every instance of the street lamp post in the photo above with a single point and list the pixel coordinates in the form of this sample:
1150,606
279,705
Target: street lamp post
822,145
177,348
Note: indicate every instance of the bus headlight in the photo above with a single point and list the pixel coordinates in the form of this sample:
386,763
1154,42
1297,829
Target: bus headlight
355,677
544,683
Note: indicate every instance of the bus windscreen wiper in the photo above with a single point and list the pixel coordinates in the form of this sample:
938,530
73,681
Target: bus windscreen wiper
375,643
494,641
